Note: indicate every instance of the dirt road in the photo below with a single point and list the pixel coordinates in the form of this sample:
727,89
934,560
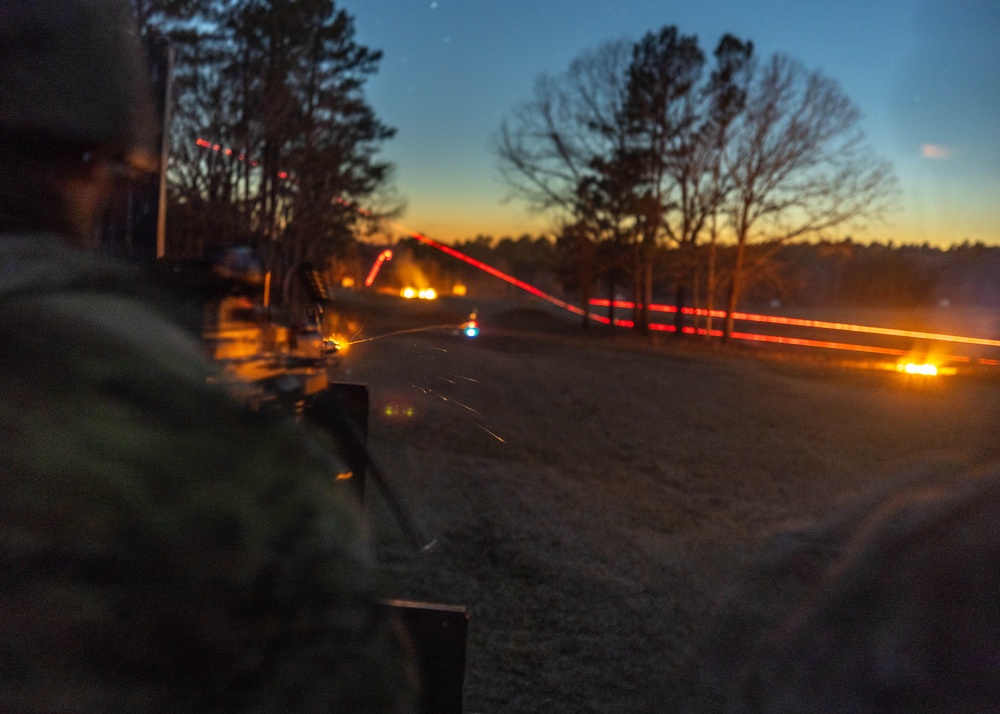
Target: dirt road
596,499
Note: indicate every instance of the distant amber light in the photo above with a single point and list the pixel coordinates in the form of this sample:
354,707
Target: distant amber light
458,290
347,282
423,293
926,369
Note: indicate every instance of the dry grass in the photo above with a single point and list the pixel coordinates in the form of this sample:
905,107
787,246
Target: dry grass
598,544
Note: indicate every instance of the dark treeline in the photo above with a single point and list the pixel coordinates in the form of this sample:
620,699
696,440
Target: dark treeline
796,274
272,142
877,274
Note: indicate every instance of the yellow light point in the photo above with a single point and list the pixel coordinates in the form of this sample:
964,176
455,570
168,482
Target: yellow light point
927,370
458,290
339,343
345,475
347,282
428,294
408,293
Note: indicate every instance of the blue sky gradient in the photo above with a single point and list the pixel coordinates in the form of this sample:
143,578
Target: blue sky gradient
925,74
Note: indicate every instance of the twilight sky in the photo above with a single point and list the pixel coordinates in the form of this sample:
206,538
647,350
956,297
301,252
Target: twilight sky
925,74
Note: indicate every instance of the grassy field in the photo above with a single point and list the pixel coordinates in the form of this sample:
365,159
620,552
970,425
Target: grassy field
601,503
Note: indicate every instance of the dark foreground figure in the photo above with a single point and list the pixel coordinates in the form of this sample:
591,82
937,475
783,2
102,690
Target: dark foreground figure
899,605
162,548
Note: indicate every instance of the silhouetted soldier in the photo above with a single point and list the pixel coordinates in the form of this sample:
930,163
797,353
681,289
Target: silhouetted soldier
905,619
161,548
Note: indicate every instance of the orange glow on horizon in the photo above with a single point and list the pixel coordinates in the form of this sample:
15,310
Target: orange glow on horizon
751,317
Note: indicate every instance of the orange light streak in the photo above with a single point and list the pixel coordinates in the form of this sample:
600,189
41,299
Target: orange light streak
750,317
802,342
659,327
835,345
382,257
820,324
503,276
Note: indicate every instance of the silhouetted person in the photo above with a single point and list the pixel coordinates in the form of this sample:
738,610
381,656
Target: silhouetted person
907,619
162,549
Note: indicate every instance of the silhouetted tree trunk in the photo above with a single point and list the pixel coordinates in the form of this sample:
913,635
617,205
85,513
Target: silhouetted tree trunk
288,144
799,163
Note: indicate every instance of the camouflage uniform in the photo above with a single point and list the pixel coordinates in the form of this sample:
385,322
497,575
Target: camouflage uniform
162,548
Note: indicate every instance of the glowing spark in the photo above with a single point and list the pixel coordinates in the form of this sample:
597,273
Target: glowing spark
498,438
455,401
401,332
360,330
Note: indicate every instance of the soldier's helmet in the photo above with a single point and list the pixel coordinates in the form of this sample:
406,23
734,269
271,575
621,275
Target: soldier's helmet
73,73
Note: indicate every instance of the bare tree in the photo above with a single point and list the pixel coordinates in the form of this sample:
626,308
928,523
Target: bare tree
799,164
563,153
625,148
634,146
551,141
661,117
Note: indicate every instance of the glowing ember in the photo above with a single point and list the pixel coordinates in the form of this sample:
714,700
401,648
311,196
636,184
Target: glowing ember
928,370
334,344
423,293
